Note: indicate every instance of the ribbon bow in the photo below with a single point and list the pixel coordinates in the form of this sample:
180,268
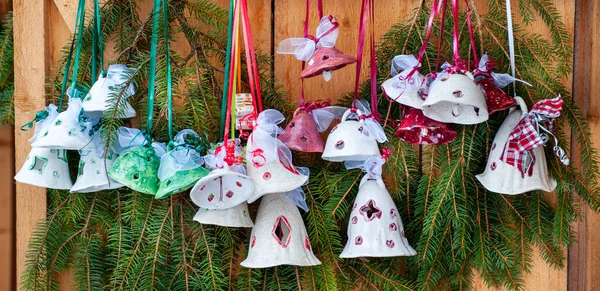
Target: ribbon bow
227,156
485,67
44,120
370,120
372,166
183,156
324,116
303,48
405,77
530,133
297,196
128,138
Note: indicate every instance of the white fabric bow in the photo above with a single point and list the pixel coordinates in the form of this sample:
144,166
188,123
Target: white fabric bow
402,67
128,138
43,125
371,124
501,80
304,48
297,196
325,116
181,157
373,166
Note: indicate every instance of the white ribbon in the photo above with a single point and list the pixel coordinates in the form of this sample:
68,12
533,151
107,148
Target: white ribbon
304,48
325,116
373,166
297,196
180,158
501,80
402,66
128,138
401,63
372,126
43,125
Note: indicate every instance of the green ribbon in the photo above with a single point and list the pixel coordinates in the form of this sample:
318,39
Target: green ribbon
227,68
77,35
39,116
152,70
169,78
97,44
79,26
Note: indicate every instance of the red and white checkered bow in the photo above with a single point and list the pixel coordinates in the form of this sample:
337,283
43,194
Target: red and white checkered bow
531,132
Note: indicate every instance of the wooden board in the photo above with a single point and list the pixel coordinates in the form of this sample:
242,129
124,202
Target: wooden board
37,49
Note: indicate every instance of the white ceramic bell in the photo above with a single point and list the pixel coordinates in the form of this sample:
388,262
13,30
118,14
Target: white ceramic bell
95,102
69,131
279,236
350,140
274,174
375,228
237,216
222,189
500,177
46,168
455,98
92,176
397,89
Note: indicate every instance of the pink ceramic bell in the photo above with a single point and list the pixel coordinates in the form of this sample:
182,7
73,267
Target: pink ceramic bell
417,128
326,59
301,133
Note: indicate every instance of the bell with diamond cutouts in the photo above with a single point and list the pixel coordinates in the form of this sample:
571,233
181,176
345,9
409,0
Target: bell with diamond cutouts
98,98
353,139
71,130
302,135
237,216
181,167
92,176
279,236
375,228
268,160
138,161
528,174
455,98
417,128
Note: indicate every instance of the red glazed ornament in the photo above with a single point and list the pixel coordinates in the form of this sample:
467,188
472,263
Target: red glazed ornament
416,128
301,133
495,98
326,59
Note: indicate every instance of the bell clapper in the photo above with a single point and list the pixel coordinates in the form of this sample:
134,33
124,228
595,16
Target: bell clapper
457,110
327,75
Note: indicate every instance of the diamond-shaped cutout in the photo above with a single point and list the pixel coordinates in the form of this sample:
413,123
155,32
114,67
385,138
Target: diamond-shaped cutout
370,210
39,164
282,231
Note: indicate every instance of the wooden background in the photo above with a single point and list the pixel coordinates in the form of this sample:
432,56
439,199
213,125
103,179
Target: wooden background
42,27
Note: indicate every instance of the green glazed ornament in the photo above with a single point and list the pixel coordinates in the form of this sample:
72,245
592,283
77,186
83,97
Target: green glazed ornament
180,181
137,168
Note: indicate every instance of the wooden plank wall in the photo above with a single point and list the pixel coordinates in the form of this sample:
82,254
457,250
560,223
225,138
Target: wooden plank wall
42,27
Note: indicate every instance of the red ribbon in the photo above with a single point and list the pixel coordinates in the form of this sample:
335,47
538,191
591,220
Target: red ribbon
312,105
368,6
316,40
231,73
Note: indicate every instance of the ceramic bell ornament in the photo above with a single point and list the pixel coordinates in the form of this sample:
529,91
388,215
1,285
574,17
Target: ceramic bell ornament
182,166
455,98
404,86
416,128
92,175
227,185
491,83
45,167
268,160
279,236
303,132
138,161
71,130
109,86
375,228
517,162
355,137
237,216
319,52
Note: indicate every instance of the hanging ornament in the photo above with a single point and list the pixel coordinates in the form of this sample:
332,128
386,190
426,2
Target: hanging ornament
110,85
454,97
237,216
517,163
268,160
181,167
92,175
45,167
279,236
416,128
227,186
318,51
303,133
404,86
375,228
356,137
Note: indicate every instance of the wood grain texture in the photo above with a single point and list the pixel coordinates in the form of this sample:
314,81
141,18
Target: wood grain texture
30,76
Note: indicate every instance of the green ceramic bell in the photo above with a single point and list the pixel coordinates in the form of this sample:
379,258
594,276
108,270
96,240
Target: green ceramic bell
180,181
137,168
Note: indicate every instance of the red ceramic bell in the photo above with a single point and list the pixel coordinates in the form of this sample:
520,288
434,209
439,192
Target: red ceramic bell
495,97
326,59
417,128
301,134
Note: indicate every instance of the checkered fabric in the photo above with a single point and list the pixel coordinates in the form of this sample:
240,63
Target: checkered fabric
526,136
